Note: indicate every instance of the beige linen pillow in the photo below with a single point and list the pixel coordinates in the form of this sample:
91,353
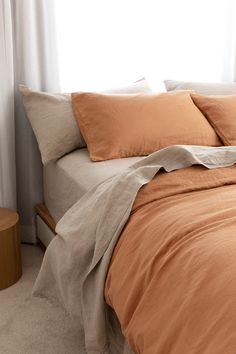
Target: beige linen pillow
116,126
202,87
53,122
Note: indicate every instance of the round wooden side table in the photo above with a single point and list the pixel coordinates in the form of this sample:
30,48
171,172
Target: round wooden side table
10,255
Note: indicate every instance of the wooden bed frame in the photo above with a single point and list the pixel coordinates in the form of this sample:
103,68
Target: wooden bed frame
45,226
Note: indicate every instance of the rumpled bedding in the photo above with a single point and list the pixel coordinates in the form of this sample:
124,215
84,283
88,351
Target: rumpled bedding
172,278
170,275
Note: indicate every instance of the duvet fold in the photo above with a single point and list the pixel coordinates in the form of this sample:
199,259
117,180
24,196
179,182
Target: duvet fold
172,277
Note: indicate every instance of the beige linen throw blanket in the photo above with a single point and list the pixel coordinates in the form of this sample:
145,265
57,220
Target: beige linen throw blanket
76,262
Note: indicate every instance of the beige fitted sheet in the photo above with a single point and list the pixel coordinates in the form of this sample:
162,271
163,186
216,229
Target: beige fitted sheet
70,177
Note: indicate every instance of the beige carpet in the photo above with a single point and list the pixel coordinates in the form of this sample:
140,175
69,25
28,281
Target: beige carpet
33,326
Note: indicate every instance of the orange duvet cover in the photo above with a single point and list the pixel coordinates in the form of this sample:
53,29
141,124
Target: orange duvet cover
172,277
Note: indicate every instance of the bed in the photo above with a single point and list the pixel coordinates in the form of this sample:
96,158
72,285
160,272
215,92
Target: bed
145,223
166,257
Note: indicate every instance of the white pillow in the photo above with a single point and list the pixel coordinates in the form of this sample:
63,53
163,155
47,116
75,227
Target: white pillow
202,87
52,119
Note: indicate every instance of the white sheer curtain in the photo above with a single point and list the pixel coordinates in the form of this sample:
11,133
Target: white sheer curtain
229,50
35,63
7,144
107,42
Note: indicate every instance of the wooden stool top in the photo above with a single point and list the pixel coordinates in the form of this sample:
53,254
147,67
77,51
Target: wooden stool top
8,218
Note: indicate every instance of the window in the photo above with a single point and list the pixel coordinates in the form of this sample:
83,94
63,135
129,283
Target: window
105,43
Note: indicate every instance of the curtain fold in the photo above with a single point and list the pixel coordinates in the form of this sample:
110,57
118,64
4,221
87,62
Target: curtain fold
7,137
229,50
35,65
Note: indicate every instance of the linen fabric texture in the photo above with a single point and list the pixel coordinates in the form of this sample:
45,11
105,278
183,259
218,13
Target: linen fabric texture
193,261
220,112
73,175
52,119
116,126
172,270
204,88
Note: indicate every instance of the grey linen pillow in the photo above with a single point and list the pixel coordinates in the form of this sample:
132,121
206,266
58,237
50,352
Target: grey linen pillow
202,87
52,119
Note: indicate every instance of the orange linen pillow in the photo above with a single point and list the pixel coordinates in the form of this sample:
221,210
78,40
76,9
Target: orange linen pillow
221,113
115,126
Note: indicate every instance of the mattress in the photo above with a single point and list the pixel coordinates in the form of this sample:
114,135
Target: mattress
70,177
